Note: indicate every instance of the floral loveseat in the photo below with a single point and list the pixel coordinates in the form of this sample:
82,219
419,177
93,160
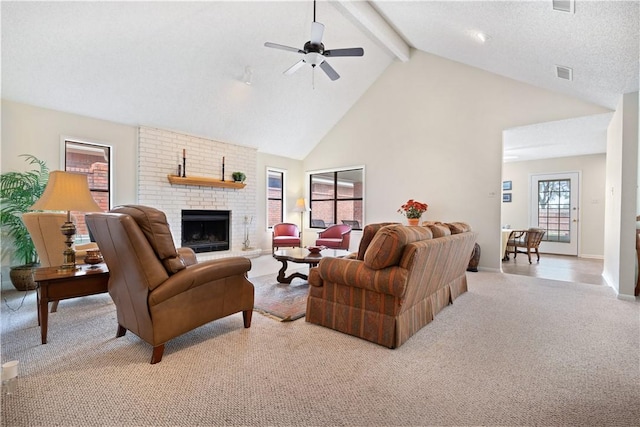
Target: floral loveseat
401,277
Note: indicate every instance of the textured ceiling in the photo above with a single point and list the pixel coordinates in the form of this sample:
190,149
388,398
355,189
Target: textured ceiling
179,65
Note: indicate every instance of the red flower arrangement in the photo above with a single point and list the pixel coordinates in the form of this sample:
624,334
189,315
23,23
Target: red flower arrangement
413,209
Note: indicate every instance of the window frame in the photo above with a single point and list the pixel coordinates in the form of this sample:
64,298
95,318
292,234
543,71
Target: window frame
283,173
63,162
336,199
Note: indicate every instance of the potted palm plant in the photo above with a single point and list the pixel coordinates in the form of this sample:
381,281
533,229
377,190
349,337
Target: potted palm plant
18,191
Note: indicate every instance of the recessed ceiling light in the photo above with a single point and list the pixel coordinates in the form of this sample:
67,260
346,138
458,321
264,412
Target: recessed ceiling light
482,37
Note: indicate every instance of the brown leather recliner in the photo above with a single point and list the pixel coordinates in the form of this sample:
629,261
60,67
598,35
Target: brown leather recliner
160,292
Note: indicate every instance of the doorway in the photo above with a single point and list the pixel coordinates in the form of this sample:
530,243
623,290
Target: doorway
554,207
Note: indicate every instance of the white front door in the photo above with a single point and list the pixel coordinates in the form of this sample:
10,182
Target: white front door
554,207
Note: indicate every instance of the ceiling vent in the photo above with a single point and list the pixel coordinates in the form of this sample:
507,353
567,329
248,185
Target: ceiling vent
565,73
564,5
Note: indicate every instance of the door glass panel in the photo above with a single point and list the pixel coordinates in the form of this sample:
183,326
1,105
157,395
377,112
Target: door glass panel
554,209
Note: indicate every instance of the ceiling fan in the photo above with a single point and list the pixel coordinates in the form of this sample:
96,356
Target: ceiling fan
314,52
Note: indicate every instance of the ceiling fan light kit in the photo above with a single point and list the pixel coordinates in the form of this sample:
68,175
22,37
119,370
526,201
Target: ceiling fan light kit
314,51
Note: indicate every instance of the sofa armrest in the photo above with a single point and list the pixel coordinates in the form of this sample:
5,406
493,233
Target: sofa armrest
197,275
352,272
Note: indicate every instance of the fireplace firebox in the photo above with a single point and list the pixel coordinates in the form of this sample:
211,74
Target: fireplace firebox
206,230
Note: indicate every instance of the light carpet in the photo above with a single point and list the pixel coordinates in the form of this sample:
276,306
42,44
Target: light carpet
513,350
281,301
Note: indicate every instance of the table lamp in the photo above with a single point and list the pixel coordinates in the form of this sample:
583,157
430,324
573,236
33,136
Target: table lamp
301,206
66,191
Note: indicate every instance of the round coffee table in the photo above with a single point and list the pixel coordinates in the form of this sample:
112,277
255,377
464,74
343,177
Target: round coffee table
303,256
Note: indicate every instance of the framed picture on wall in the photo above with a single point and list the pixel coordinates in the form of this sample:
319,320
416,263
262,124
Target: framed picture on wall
506,185
506,197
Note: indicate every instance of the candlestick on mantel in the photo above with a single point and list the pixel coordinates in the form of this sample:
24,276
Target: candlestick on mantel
184,163
223,168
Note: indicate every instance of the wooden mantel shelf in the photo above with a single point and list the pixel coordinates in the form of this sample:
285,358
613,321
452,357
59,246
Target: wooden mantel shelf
203,181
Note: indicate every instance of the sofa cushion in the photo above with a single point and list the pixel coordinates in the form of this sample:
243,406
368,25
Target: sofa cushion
368,233
458,227
437,228
388,244
153,224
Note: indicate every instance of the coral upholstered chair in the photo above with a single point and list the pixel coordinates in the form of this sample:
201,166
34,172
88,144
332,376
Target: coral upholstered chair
285,235
335,237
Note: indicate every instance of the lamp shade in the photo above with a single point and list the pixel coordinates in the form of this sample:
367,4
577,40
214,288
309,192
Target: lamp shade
301,206
66,191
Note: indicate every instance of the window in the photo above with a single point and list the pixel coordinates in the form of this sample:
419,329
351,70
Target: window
275,197
94,161
337,198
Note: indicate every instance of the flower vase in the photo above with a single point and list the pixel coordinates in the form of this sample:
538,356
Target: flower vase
413,221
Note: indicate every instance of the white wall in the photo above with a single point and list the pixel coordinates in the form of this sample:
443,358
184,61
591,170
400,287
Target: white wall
37,131
591,198
294,189
32,130
621,194
431,129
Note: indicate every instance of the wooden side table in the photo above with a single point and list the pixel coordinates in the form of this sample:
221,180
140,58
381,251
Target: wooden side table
54,285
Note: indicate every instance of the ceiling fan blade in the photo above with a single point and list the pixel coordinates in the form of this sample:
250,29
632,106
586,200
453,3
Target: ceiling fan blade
352,51
328,69
294,68
317,30
283,47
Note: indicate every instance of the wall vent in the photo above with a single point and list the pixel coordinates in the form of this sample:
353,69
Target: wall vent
564,5
565,73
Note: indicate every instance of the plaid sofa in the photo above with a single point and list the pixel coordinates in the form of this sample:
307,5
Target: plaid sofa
400,278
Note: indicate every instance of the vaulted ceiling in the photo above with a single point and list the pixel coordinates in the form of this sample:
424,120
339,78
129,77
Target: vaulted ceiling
182,65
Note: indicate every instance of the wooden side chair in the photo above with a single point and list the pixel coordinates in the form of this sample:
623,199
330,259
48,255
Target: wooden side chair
355,225
525,241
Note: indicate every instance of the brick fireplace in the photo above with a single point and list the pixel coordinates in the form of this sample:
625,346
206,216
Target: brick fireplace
160,152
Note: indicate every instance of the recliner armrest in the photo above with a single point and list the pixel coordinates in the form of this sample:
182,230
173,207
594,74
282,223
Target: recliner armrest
199,274
188,256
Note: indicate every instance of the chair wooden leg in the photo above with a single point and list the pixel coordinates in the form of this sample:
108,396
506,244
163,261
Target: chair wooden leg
157,354
538,254
54,306
529,255
246,317
121,331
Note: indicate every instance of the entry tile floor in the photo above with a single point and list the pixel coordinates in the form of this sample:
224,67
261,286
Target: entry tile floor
557,267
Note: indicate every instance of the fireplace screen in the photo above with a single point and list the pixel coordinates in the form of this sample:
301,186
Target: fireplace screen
205,230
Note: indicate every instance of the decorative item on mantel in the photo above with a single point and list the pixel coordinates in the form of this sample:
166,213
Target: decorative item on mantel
223,168
184,163
238,176
413,210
